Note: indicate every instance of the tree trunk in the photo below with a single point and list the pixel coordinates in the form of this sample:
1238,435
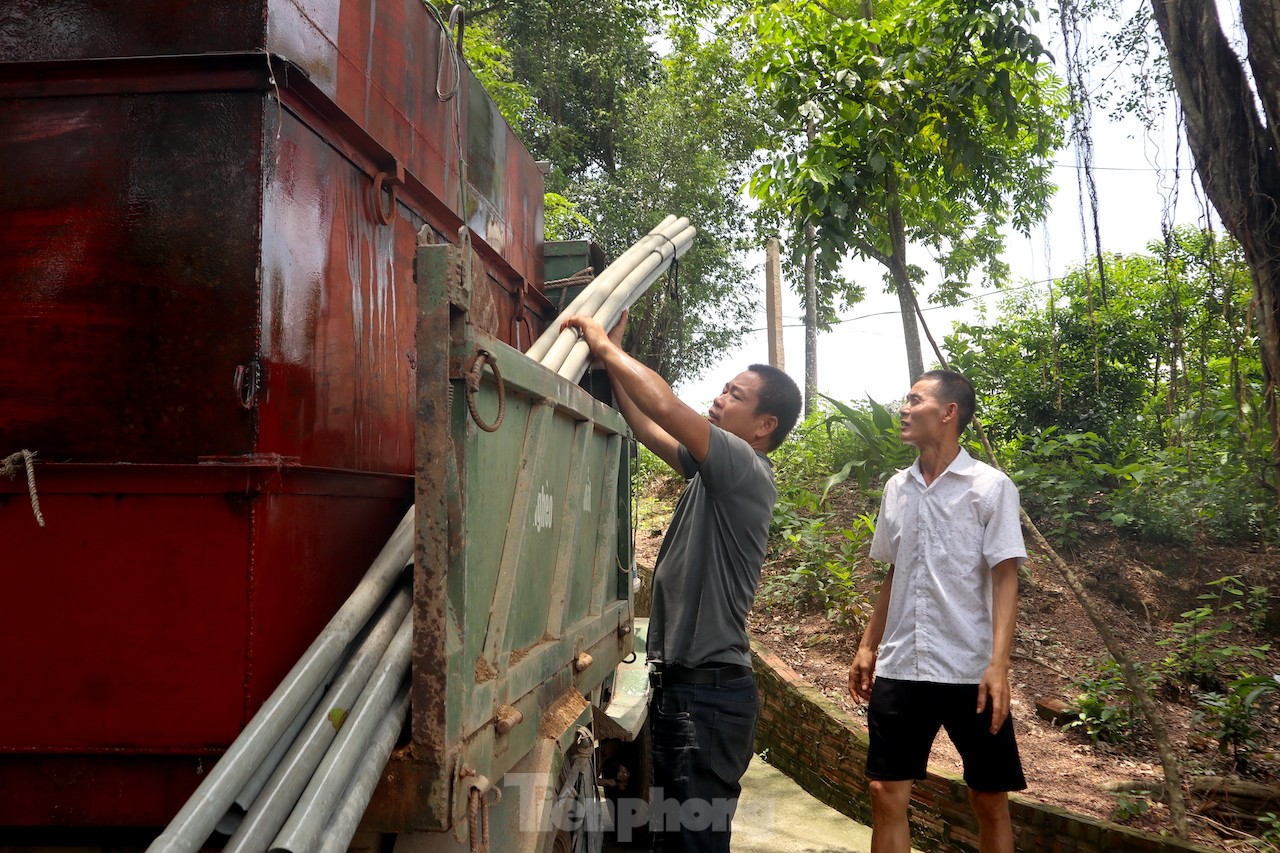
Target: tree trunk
910,330
902,282
1236,153
810,320
810,310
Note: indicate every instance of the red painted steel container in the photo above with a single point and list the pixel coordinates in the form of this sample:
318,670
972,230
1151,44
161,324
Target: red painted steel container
208,215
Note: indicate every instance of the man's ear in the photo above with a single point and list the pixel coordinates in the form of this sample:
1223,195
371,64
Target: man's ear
768,424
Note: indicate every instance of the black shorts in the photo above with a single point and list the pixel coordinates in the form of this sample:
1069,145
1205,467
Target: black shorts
903,718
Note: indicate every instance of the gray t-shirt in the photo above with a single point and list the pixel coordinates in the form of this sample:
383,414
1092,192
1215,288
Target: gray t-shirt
709,566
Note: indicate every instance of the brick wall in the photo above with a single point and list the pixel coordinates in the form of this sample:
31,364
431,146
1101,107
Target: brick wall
818,745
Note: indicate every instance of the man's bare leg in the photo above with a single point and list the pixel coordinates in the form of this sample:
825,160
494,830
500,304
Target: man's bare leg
995,830
890,831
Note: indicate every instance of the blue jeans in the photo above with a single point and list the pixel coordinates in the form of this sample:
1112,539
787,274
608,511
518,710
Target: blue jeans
703,740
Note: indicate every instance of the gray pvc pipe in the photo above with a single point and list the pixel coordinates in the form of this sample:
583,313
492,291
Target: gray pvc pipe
302,830
200,814
346,817
631,288
240,806
623,296
278,798
598,291
609,275
655,244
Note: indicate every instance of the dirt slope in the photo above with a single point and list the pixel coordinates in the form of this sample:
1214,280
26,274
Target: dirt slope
1141,590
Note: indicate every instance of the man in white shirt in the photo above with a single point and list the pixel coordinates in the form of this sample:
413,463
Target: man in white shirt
935,653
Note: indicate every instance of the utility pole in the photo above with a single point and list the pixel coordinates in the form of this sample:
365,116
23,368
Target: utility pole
773,301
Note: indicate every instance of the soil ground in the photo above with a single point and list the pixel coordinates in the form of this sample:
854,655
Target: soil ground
1140,591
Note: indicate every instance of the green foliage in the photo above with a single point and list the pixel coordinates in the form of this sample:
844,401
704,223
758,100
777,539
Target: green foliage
817,557
1058,476
815,552
1270,840
490,61
1130,804
562,218
925,122
875,451
816,446
1197,653
1233,717
1152,501
650,470
1194,654
1161,372
633,135
684,153
1107,710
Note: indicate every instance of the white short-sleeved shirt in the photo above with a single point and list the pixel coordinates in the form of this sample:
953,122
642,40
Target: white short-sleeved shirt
943,540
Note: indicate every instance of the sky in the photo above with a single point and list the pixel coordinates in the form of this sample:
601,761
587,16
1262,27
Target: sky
865,356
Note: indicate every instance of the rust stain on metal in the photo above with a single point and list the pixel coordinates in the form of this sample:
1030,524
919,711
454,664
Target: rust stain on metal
485,671
562,714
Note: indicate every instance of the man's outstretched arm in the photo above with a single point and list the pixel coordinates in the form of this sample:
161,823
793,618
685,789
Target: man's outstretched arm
661,421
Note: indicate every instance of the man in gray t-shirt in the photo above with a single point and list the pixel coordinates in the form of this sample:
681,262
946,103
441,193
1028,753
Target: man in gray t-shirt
709,565
704,706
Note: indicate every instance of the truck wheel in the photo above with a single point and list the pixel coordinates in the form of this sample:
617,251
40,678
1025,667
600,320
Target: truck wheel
629,800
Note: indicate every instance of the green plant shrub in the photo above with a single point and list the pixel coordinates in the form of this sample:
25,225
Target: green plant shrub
1151,501
816,558
1057,475
816,447
1270,838
1130,804
874,452
1106,710
1233,717
1197,653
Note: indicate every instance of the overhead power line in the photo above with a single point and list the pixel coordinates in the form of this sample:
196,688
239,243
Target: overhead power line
967,299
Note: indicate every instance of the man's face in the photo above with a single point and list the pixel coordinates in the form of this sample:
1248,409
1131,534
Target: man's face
735,409
924,415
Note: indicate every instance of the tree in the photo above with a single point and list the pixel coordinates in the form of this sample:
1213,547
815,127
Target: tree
1158,364
935,121
1232,112
1150,404
689,154
633,136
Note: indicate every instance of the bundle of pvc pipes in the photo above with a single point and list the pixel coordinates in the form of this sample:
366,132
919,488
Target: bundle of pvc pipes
310,757
610,293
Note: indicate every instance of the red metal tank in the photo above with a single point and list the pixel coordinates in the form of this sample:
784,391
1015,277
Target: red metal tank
208,217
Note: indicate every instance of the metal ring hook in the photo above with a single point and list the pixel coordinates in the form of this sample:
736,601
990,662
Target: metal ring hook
475,368
458,22
384,214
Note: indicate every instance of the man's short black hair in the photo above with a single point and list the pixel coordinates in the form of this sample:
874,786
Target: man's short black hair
778,396
954,388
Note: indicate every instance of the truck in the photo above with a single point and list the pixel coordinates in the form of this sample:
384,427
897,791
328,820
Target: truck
268,269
